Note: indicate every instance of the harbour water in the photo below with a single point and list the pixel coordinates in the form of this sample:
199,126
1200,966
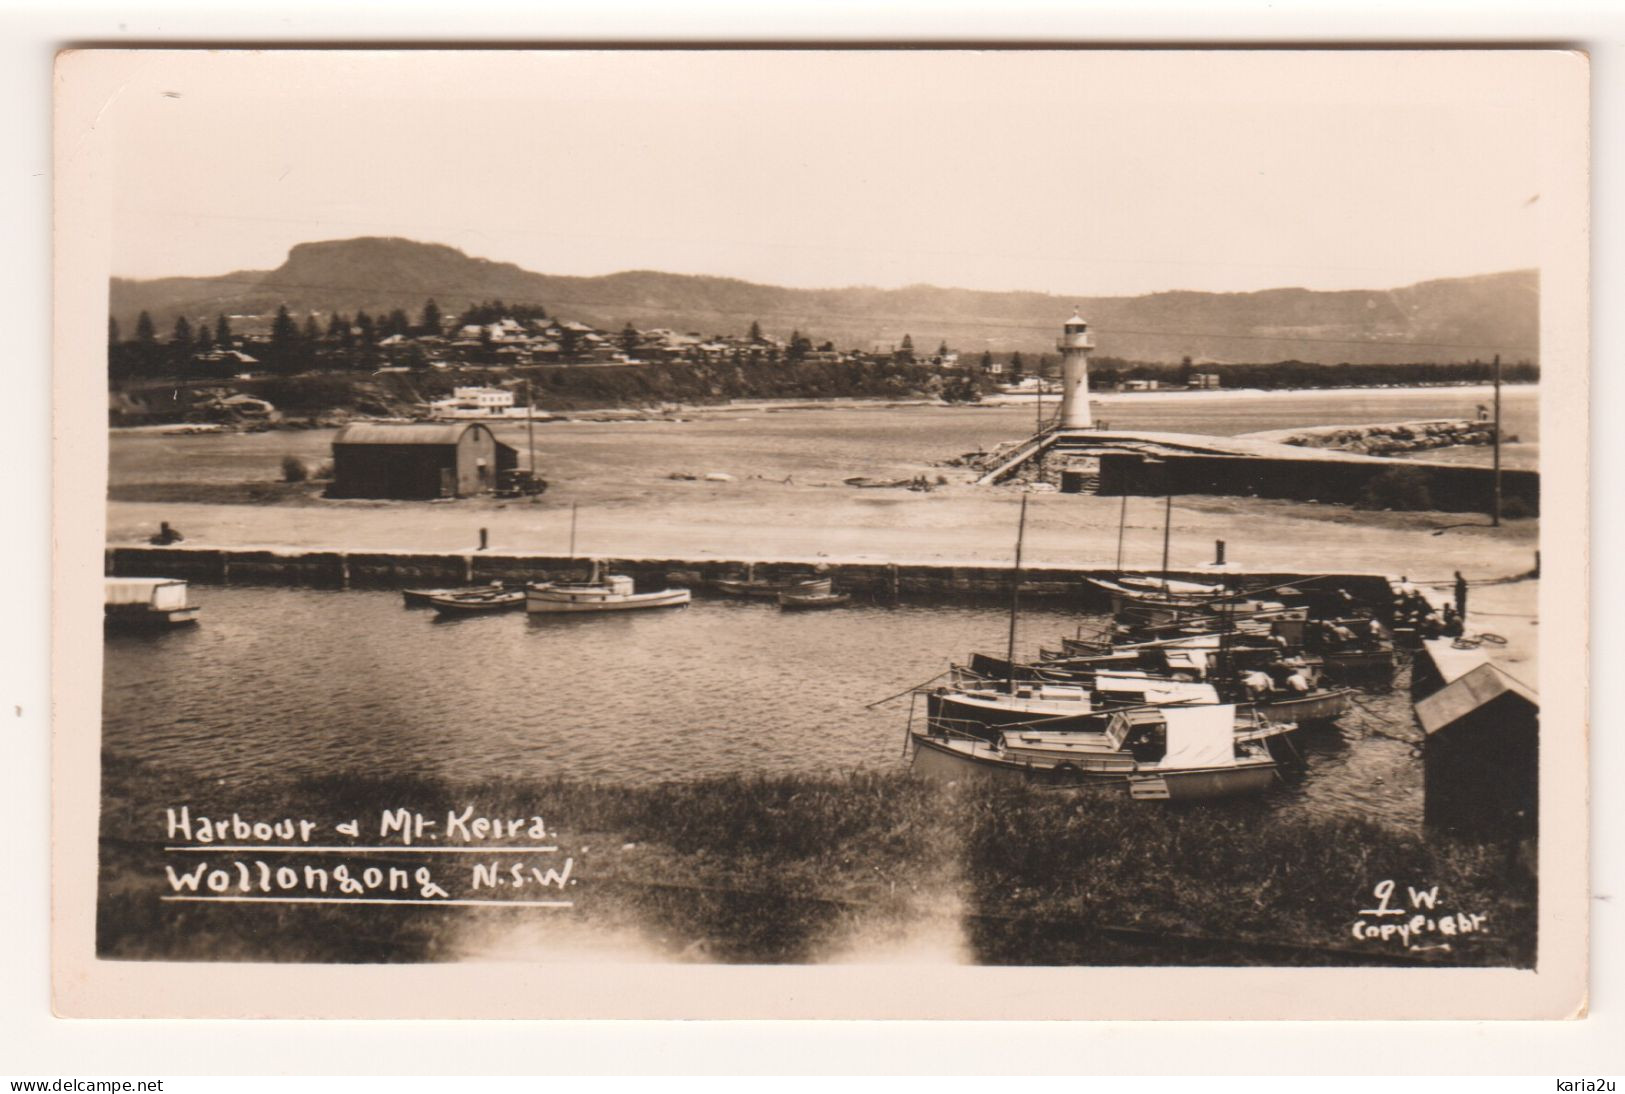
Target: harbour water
281,683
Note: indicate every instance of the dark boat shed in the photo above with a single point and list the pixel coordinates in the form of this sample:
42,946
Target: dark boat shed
1481,760
427,460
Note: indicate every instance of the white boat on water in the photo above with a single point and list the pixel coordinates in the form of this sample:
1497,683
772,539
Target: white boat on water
614,593
147,602
1174,753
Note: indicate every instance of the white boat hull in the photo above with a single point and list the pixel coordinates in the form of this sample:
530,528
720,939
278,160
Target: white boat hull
562,601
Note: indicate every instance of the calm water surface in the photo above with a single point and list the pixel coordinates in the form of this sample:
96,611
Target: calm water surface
280,683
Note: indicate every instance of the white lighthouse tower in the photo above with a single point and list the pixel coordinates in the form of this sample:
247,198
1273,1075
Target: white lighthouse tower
1075,344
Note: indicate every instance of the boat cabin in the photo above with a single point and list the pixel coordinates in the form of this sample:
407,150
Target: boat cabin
147,602
1177,738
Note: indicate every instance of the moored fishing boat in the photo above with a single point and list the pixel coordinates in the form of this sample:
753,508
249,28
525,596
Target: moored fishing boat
803,602
614,593
479,602
1319,705
983,711
1172,754
1358,664
420,597
774,587
147,603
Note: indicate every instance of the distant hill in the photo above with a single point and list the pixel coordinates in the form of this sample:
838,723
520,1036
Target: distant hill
1447,320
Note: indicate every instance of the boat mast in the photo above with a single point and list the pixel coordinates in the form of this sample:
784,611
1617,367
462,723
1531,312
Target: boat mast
1167,527
1015,597
1495,516
1122,523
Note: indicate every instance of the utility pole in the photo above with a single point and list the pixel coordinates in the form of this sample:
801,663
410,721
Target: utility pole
1495,515
530,425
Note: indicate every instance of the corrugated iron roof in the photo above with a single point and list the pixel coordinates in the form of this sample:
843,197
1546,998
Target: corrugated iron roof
391,433
1466,694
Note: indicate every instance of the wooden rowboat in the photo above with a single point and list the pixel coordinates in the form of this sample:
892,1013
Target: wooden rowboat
803,602
420,597
478,603
765,587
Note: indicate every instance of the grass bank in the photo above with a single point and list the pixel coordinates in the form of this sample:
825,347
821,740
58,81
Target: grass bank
793,869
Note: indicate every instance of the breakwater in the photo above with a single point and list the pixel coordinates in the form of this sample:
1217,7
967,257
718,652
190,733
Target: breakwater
885,581
1385,439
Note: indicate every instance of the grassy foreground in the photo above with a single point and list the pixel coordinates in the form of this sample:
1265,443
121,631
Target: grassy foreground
792,870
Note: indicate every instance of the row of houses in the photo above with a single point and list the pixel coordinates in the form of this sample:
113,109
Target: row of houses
539,341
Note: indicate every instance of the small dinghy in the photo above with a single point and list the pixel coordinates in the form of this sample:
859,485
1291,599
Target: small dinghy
421,598
766,587
807,602
478,603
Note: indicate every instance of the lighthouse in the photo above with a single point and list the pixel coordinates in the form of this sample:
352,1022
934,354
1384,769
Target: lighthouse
1075,344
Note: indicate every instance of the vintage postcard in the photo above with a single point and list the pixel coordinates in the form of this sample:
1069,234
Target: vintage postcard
817,533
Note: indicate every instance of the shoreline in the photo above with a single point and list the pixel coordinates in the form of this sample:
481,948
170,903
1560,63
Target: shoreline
668,411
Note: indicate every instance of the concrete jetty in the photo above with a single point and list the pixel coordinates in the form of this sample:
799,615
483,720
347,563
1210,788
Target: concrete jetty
923,581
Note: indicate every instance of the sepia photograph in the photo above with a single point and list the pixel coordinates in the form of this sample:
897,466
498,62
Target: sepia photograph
650,513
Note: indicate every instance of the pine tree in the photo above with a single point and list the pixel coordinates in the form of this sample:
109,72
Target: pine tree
222,332
144,334
312,332
755,331
905,352
205,339
431,317
629,339
337,327
1016,365
284,339
182,338
987,360
364,328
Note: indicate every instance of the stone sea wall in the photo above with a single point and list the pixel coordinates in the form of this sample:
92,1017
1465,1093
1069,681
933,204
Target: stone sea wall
1386,439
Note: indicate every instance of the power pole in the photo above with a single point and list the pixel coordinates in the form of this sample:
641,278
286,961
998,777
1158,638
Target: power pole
530,425
1495,515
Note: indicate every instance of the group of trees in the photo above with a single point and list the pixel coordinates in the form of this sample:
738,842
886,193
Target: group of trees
146,354
292,346
197,348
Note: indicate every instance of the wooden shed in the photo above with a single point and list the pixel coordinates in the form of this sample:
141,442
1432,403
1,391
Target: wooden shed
1481,761
440,460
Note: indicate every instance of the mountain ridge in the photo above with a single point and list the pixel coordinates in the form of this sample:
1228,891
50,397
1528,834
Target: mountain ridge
1441,319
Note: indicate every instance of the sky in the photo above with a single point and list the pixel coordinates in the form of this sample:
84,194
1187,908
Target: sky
1075,173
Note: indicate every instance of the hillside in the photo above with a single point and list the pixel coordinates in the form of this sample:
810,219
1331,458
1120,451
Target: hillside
1446,320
